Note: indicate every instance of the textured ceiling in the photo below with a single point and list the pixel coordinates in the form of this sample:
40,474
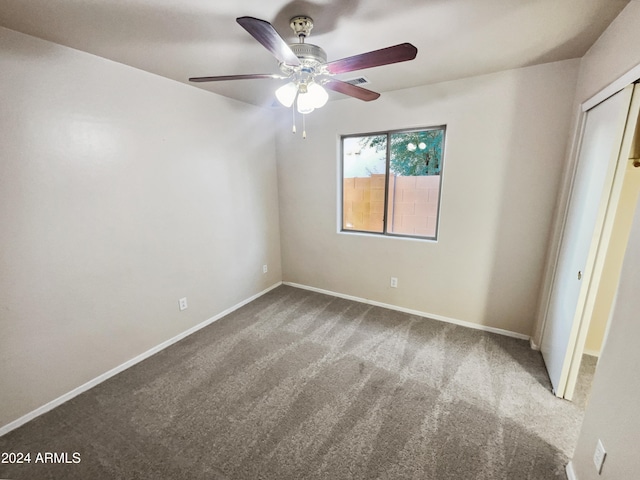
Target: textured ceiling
181,39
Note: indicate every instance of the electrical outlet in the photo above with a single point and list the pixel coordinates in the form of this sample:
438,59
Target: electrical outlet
264,269
394,282
183,303
599,456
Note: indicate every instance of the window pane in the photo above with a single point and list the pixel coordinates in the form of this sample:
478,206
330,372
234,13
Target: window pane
414,182
363,182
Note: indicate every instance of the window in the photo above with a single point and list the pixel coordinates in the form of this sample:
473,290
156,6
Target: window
391,182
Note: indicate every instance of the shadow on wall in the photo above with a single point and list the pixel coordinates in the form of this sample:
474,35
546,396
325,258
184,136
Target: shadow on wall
528,189
325,15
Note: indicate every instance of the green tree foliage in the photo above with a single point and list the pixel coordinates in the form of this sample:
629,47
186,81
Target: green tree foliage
412,153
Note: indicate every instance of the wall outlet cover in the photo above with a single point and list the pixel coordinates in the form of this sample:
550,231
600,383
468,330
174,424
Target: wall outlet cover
599,456
182,303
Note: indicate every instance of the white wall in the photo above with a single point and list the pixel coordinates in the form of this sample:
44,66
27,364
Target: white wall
506,138
614,54
120,192
612,415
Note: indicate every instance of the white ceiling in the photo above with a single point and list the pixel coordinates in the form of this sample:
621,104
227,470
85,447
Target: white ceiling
187,38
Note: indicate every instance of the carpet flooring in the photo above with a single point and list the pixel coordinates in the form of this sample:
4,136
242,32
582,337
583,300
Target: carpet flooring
300,385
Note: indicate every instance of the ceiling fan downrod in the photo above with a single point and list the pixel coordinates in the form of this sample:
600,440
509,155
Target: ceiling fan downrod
301,26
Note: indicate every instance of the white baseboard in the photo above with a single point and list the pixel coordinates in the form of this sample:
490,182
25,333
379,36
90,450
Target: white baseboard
571,474
533,345
592,353
433,316
120,368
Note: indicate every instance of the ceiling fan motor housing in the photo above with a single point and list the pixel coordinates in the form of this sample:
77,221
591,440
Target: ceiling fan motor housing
312,60
311,57
307,52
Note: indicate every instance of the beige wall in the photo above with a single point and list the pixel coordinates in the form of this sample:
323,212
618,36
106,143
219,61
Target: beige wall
613,262
612,415
413,204
364,202
506,137
614,54
120,192
414,210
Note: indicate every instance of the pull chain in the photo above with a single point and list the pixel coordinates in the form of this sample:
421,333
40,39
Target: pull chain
304,128
293,118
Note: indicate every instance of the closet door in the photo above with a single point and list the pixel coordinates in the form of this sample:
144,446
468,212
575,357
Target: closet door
597,158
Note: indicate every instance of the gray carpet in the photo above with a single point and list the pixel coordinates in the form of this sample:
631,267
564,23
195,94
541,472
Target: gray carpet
299,385
585,377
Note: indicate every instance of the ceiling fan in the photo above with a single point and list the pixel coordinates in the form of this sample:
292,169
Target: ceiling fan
306,66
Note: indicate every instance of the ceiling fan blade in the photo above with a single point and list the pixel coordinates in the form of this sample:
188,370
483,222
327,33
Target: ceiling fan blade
351,90
376,58
235,77
264,33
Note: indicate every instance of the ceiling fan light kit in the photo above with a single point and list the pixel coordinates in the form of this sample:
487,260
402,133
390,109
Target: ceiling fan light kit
305,66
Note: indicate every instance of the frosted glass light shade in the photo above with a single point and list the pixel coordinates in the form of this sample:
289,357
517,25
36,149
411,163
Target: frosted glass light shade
286,94
305,103
319,95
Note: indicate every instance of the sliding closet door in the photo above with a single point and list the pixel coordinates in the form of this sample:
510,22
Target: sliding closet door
597,158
